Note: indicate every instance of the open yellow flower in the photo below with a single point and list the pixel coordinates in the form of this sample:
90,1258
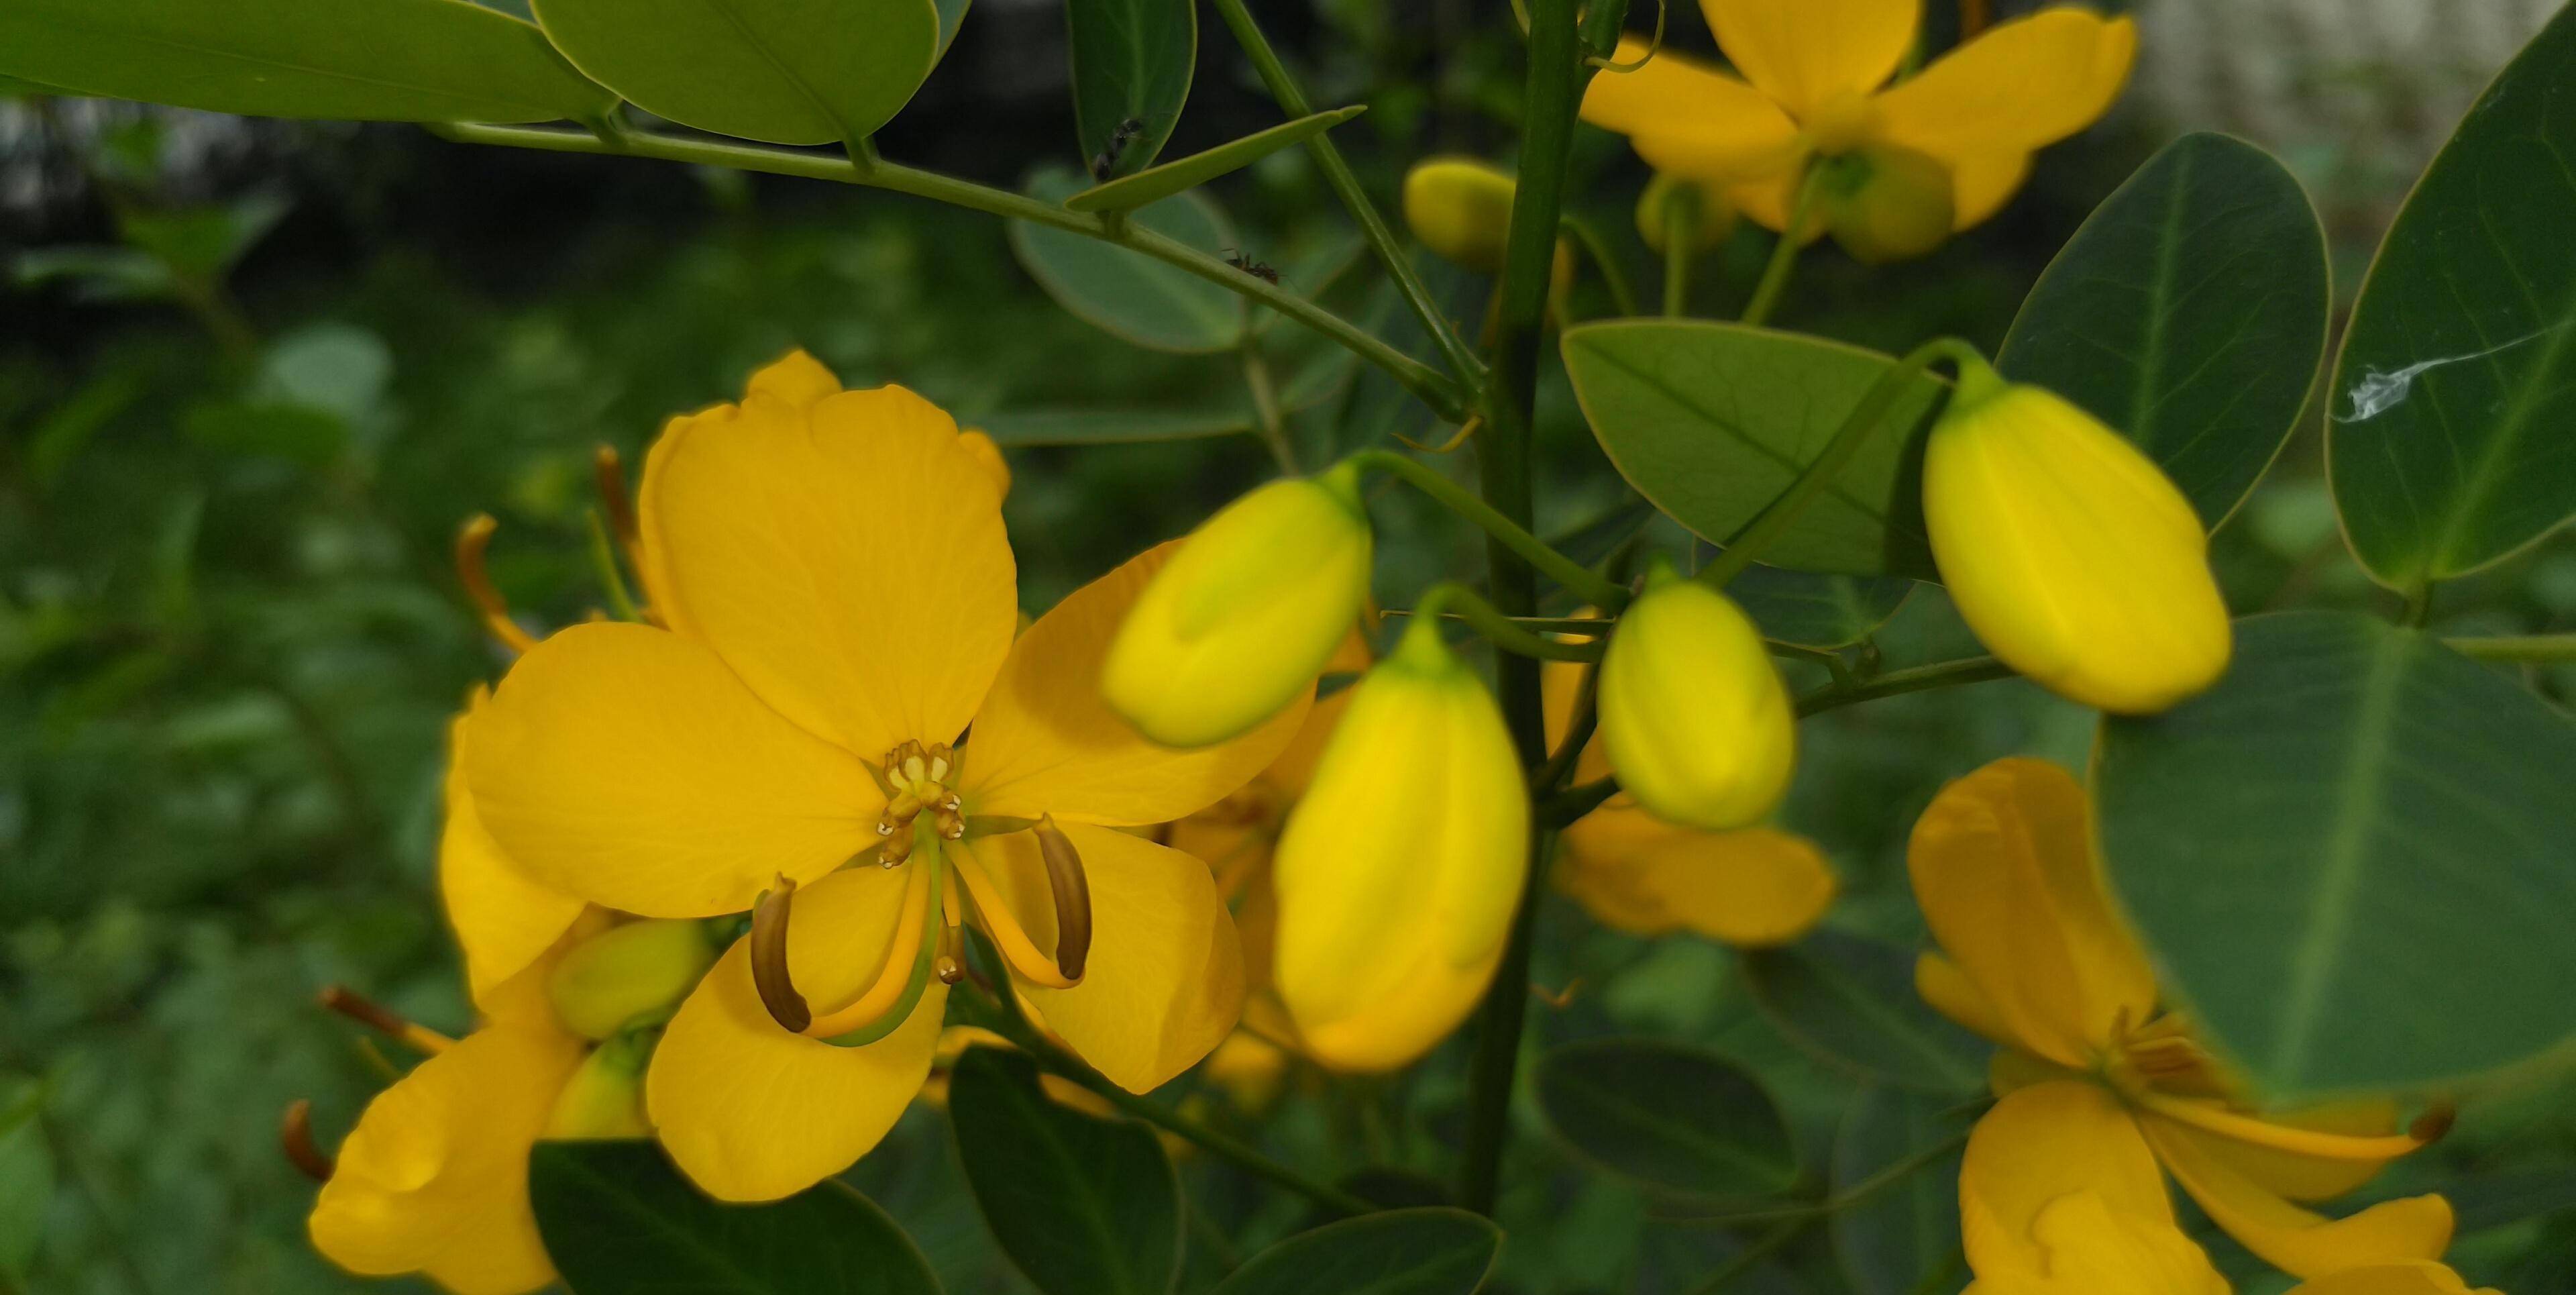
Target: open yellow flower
1814,88
837,602
2033,956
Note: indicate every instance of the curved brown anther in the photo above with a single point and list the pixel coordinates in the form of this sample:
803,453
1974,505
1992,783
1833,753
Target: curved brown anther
471,540
896,849
609,476
375,1016
769,916
1071,891
295,1138
2434,1124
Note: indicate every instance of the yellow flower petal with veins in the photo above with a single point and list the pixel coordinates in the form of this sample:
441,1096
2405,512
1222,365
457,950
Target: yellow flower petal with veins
1804,54
504,917
1691,119
1752,888
2299,1241
2037,1146
2018,86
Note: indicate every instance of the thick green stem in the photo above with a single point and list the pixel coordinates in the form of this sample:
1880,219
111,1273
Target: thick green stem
1508,535
1452,598
1681,246
1623,297
1436,389
1346,185
1784,254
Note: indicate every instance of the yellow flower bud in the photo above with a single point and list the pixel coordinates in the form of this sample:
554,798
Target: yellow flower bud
1246,613
1693,715
2068,550
1712,217
627,971
1461,209
1400,870
1884,203
605,1096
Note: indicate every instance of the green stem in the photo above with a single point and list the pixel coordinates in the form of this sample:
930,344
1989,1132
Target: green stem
1776,517
1266,418
2525,647
1769,1244
1454,598
603,561
1623,296
1897,1171
1523,550
1784,254
1946,674
1346,185
1681,246
1435,389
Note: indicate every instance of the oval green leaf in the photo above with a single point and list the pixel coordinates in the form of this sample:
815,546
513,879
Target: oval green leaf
1899,1237
386,60
617,1217
1154,305
1163,181
2447,436
1712,421
1399,1252
1132,61
1084,1206
2189,312
2351,857
1679,1119
1851,1002
1808,610
780,71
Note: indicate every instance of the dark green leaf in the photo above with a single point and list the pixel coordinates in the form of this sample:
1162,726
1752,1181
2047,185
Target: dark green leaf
300,433
1128,293
2447,435
1810,610
783,71
204,242
2189,313
1198,168
1680,1119
1132,61
1399,1252
617,1218
1084,1206
26,1175
952,15
1712,421
386,60
2350,857
1902,1234
1851,1001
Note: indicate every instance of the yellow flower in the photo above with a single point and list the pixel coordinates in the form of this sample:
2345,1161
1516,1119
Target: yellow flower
1402,866
1461,208
1637,873
2068,551
503,916
1236,627
1694,716
2098,1089
1814,88
1712,214
836,603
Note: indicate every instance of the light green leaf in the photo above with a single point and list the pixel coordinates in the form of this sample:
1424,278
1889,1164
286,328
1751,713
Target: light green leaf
2351,857
1397,1252
1809,610
2189,313
1163,181
385,60
1851,1002
1672,1117
1900,1238
1132,62
1712,421
1084,1206
2451,402
1127,293
781,71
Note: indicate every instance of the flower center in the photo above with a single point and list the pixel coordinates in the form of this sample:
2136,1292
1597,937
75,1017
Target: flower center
1841,123
917,781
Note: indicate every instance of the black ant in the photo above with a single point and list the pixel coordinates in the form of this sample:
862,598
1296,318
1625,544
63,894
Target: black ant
1257,269
1119,138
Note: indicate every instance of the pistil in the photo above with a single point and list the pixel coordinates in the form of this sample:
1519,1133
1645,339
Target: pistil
471,540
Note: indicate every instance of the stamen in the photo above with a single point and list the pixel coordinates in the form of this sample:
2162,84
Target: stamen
2434,1124
952,955
614,503
769,974
1071,891
2280,1137
295,1138
375,1016
471,540
892,977
1016,948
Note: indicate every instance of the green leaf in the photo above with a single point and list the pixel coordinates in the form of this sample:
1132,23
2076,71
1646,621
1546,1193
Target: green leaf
1170,178
952,15
1132,61
2447,433
299,433
1084,1206
1809,610
1851,1002
1128,293
204,242
1676,1118
1399,1252
1712,421
617,1217
386,60
2350,857
2189,313
1900,1235
781,71
26,1175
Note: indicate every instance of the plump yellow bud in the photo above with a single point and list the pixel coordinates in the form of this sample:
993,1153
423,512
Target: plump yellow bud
2068,551
1461,209
1883,203
605,1096
1400,870
1711,217
1693,715
1246,614
627,971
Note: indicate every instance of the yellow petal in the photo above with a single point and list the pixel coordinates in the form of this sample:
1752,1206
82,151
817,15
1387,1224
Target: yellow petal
1691,119
2019,85
2299,1241
988,453
625,764
752,1112
1768,200
1884,204
1560,688
2419,1277
1752,888
2069,552
600,985
2307,1155
1805,53
1294,766
2040,1144
796,379
1693,713
504,917
1460,208
434,1178
1940,982
2003,867
846,560
2093,1249
1048,742
1401,869
1980,184
1164,982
